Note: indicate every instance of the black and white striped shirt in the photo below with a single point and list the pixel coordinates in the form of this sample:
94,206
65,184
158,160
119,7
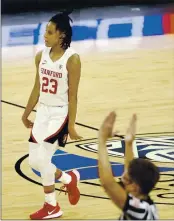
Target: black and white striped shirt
136,209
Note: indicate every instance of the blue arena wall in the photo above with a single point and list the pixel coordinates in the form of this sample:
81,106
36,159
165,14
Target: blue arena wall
93,29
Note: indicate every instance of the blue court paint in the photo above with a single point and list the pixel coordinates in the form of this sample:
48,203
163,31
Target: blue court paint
88,167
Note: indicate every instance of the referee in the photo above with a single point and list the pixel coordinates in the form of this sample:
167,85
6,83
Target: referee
139,177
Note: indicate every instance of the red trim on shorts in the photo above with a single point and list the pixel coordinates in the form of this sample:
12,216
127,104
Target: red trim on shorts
33,137
58,129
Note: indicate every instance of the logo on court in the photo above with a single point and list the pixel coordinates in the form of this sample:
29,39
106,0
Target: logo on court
88,167
159,149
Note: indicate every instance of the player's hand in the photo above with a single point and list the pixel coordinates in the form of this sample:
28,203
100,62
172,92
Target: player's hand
73,134
106,129
27,123
130,133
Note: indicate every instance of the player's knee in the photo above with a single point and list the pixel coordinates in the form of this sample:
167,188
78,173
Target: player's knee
33,161
38,162
43,160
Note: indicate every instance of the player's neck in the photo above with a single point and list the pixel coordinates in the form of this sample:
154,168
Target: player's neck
140,196
57,50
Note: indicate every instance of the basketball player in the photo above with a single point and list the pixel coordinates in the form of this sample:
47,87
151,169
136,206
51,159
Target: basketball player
58,70
139,177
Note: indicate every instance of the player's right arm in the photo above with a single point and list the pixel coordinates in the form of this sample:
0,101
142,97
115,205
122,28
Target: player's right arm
34,96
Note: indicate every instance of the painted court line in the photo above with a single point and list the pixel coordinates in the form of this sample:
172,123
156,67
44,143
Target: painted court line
59,154
79,168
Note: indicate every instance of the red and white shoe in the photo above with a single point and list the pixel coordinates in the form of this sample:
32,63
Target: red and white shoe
47,212
72,189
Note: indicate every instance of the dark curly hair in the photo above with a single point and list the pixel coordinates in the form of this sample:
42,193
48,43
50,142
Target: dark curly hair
62,22
144,173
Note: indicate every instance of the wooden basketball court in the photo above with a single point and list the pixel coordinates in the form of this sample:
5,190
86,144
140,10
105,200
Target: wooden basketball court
130,79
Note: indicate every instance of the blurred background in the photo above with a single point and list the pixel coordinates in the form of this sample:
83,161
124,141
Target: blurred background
23,22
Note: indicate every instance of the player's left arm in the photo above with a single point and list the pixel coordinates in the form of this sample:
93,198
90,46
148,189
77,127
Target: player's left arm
74,73
129,139
112,188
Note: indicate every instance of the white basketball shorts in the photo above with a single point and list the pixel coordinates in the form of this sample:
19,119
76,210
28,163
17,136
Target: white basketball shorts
50,125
